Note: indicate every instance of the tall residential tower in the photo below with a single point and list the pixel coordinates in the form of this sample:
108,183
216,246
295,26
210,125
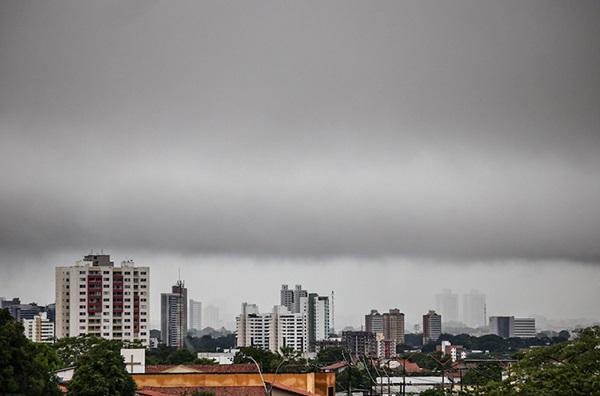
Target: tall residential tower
94,297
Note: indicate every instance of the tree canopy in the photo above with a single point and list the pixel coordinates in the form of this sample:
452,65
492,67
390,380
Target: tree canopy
101,371
24,366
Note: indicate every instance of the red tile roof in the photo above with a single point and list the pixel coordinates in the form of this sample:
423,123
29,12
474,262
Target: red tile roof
204,368
410,367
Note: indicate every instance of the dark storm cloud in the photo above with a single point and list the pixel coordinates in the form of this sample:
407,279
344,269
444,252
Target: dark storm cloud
438,129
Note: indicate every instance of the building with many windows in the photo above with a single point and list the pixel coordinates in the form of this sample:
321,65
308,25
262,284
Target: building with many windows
173,316
94,297
273,331
432,327
509,326
39,328
389,324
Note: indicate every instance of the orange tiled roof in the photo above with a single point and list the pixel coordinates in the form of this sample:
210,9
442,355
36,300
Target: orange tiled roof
202,368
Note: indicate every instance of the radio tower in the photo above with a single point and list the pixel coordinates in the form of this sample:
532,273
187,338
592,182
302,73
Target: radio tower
332,330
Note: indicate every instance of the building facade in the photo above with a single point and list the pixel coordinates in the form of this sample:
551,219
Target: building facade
94,297
389,324
173,315
524,328
432,327
39,328
211,317
474,309
509,326
273,331
447,305
195,322
360,343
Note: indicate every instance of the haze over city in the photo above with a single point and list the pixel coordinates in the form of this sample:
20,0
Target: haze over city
268,143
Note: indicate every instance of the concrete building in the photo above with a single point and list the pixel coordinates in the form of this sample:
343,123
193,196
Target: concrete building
195,322
360,343
432,327
94,297
503,326
474,309
288,330
173,316
280,328
291,298
211,317
509,326
253,328
317,310
446,303
389,324
524,328
39,328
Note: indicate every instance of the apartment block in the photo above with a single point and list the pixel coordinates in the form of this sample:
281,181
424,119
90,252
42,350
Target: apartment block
94,297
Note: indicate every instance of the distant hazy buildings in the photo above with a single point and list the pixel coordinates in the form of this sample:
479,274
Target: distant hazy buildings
39,328
432,327
211,317
195,308
173,315
509,326
96,298
474,309
447,305
390,325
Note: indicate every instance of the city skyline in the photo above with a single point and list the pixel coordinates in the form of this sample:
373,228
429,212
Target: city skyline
381,149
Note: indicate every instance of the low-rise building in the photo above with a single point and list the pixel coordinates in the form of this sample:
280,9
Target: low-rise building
39,328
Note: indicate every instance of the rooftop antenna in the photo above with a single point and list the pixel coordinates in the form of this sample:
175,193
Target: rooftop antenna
332,312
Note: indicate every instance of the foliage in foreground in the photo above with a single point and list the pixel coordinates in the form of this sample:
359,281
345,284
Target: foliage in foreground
101,371
24,366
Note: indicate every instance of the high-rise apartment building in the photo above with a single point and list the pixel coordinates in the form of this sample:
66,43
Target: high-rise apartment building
39,328
432,327
447,305
280,328
173,315
474,309
94,297
291,298
195,322
317,310
211,317
389,324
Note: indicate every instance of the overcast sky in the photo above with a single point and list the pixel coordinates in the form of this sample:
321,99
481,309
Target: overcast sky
332,143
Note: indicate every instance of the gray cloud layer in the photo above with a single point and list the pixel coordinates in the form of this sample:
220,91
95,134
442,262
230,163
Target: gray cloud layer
457,130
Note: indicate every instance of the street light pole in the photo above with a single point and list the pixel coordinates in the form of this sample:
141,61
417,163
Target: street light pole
260,373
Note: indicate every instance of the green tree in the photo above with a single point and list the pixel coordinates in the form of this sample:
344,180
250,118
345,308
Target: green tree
266,359
24,366
69,349
101,371
566,368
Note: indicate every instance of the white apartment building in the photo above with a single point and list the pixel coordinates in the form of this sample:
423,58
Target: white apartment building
93,297
280,328
39,329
